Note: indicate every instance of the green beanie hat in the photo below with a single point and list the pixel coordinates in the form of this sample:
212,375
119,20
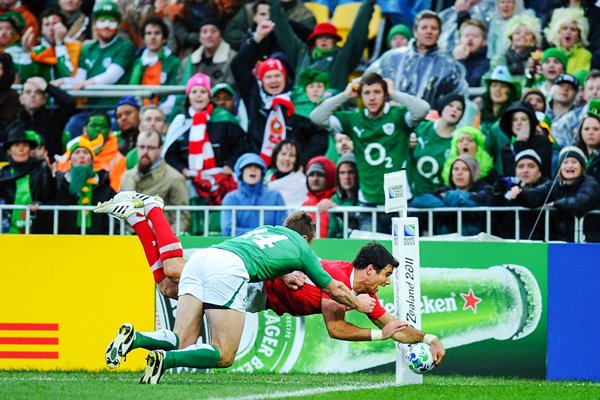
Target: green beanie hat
560,55
399,29
106,8
581,75
310,75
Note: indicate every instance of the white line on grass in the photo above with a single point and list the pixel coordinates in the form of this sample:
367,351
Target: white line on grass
310,392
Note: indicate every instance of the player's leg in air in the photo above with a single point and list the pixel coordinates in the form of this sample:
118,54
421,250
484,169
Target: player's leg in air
226,321
163,252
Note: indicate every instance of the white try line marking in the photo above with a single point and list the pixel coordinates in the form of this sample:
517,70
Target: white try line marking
309,392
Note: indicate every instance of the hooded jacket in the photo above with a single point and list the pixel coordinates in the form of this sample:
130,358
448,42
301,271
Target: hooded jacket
336,225
327,193
539,143
250,195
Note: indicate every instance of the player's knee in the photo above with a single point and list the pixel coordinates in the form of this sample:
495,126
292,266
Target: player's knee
168,288
173,268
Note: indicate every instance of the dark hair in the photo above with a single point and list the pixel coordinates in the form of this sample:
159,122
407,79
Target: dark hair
52,11
301,223
257,3
156,20
580,143
372,78
487,111
427,14
376,255
8,76
277,150
98,113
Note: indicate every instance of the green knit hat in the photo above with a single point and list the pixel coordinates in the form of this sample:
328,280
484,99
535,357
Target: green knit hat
309,75
581,76
16,19
560,55
106,8
399,29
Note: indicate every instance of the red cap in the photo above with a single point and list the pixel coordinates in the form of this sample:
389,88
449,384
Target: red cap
270,64
324,29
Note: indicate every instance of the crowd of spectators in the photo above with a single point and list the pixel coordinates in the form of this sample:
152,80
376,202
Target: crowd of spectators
486,103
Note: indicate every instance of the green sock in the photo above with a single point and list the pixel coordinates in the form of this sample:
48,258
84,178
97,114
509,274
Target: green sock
194,356
157,340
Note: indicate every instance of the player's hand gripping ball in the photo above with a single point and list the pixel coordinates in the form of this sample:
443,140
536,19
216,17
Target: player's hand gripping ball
419,358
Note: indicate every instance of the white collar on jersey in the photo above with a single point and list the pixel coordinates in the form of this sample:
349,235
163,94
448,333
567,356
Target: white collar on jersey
386,108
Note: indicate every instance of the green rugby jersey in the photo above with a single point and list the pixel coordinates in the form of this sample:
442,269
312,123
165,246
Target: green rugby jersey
428,159
95,60
272,251
380,145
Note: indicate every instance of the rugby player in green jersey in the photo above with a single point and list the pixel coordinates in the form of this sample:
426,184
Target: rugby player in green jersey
380,132
214,282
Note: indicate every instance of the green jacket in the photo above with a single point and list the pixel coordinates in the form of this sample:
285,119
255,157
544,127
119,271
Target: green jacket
339,64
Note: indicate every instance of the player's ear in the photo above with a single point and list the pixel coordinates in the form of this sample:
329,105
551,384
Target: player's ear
370,269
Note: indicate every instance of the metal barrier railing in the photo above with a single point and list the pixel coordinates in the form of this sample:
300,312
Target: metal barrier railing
119,227
149,91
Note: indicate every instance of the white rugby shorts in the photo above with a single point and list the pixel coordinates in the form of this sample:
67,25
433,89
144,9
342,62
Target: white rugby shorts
216,276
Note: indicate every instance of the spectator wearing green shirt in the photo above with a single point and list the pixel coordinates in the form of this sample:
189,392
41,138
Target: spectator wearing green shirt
55,56
104,61
157,65
430,146
380,133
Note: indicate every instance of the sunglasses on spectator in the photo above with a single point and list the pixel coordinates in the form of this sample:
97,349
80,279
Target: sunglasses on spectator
106,23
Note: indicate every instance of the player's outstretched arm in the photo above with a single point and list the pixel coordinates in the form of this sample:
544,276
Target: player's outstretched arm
340,293
338,328
413,335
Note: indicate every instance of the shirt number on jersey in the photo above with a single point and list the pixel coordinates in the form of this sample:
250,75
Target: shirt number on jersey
380,154
262,241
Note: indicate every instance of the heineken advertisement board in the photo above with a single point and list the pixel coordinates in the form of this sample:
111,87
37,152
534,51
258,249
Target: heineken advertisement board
486,301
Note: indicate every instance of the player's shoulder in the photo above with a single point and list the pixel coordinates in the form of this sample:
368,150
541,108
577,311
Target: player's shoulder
336,265
340,270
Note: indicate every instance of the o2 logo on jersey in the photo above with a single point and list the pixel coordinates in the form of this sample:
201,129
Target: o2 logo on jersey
263,240
375,154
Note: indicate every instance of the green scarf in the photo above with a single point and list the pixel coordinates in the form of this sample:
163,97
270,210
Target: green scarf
79,174
22,196
81,185
317,53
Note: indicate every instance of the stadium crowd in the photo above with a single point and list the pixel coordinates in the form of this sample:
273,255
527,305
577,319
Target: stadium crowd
280,110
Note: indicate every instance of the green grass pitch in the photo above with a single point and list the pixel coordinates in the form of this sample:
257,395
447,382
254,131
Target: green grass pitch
376,386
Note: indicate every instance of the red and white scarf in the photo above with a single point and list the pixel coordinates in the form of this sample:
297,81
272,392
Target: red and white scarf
275,126
201,155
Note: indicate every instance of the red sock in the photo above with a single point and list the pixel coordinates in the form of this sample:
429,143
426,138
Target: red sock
146,235
168,244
